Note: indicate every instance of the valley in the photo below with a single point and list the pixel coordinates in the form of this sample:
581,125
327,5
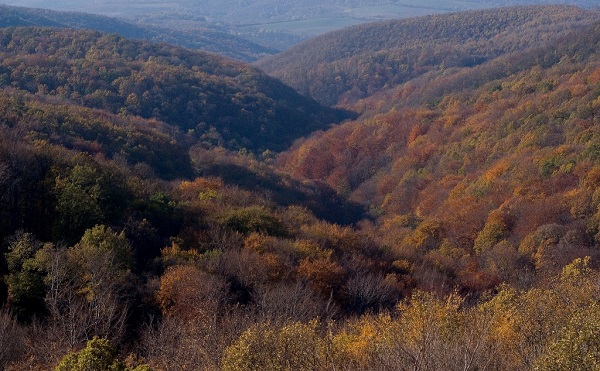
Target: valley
419,193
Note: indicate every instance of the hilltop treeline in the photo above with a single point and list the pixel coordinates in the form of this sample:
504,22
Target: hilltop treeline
354,63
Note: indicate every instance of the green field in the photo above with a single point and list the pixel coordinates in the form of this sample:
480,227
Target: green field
306,26
350,16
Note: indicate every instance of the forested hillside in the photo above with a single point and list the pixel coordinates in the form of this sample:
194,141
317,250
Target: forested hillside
97,243
210,97
478,175
99,204
201,38
148,221
353,63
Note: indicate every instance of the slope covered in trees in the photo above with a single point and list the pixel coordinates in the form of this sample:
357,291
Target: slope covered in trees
353,63
216,99
478,175
110,221
95,242
136,243
205,38
98,246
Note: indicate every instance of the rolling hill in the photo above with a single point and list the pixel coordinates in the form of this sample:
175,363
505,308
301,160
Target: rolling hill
201,38
277,24
353,63
147,221
210,97
105,187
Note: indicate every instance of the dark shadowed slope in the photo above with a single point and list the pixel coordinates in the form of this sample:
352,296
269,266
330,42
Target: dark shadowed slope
214,99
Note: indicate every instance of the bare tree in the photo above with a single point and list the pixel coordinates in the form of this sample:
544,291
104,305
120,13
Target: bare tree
11,339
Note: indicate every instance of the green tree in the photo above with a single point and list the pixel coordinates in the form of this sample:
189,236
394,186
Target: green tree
102,262
78,202
98,355
578,345
87,284
86,197
294,346
26,289
253,219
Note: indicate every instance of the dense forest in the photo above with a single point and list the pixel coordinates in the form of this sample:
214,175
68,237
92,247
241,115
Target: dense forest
354,63
213,98
500,176
156,215
99,203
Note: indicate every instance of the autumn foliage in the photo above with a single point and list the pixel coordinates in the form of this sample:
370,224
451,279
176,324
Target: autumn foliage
454,225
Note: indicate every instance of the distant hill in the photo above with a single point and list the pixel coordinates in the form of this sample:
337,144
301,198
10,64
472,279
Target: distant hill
215,99
353,63
206,39
277,24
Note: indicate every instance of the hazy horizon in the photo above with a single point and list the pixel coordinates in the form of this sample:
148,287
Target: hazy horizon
308,17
